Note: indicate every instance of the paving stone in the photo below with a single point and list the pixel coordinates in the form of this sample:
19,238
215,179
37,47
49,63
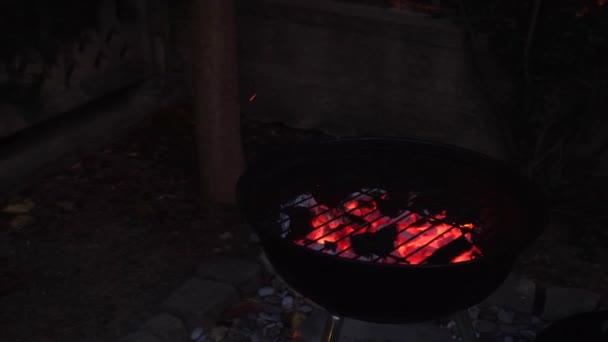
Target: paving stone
197,333
266,291
359,331
528,334
513,329
488,338
200,300
485,326
487,315
564,302
218,333
516,293
267,266
505,316
141,336
474,312
166,327
243,274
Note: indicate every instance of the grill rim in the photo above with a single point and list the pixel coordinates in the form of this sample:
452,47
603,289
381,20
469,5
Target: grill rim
308,271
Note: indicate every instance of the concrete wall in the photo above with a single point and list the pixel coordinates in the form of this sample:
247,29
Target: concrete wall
108,56
361,70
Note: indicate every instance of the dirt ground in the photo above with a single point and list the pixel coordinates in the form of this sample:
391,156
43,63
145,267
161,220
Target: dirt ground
111,234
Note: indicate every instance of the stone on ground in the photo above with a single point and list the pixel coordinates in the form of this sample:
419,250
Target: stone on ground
244,275
199,301
167,328
563,302
516,293
141,336
484,326
354,330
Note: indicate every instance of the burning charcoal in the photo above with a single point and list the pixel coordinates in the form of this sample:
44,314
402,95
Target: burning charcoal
368,204
385,240
421,222
355,219
392,204
299,222
331,246
363,244
448,252
329,197
375,192
381,243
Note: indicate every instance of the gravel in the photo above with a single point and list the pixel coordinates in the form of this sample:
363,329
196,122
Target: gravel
272,315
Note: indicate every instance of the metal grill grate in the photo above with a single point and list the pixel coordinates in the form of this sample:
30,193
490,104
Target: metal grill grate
413,236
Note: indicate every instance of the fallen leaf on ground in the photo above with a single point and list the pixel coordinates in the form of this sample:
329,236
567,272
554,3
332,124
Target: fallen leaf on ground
226,236
242,309
8,283
296,320
69,206
19,208
20,221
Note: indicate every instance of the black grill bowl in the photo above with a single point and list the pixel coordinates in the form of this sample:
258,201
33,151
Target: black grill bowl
510,209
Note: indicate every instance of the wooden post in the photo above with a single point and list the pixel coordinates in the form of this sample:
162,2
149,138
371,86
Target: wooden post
216,98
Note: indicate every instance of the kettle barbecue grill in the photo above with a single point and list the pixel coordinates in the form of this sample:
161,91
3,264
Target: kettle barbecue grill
389,230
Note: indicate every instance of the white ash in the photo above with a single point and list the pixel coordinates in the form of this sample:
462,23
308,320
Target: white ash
305,201
284,220
316,246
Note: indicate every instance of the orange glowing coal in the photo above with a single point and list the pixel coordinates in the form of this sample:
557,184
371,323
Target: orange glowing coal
415,237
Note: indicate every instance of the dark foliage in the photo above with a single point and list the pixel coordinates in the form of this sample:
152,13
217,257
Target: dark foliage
557,52
41,32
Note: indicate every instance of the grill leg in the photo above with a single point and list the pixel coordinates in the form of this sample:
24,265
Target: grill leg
465,325
333,326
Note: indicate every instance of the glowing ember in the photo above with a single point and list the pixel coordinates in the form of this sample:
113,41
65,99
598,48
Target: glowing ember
358,229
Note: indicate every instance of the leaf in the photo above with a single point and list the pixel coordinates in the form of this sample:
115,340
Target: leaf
21,221
66,205
297,319
19,208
